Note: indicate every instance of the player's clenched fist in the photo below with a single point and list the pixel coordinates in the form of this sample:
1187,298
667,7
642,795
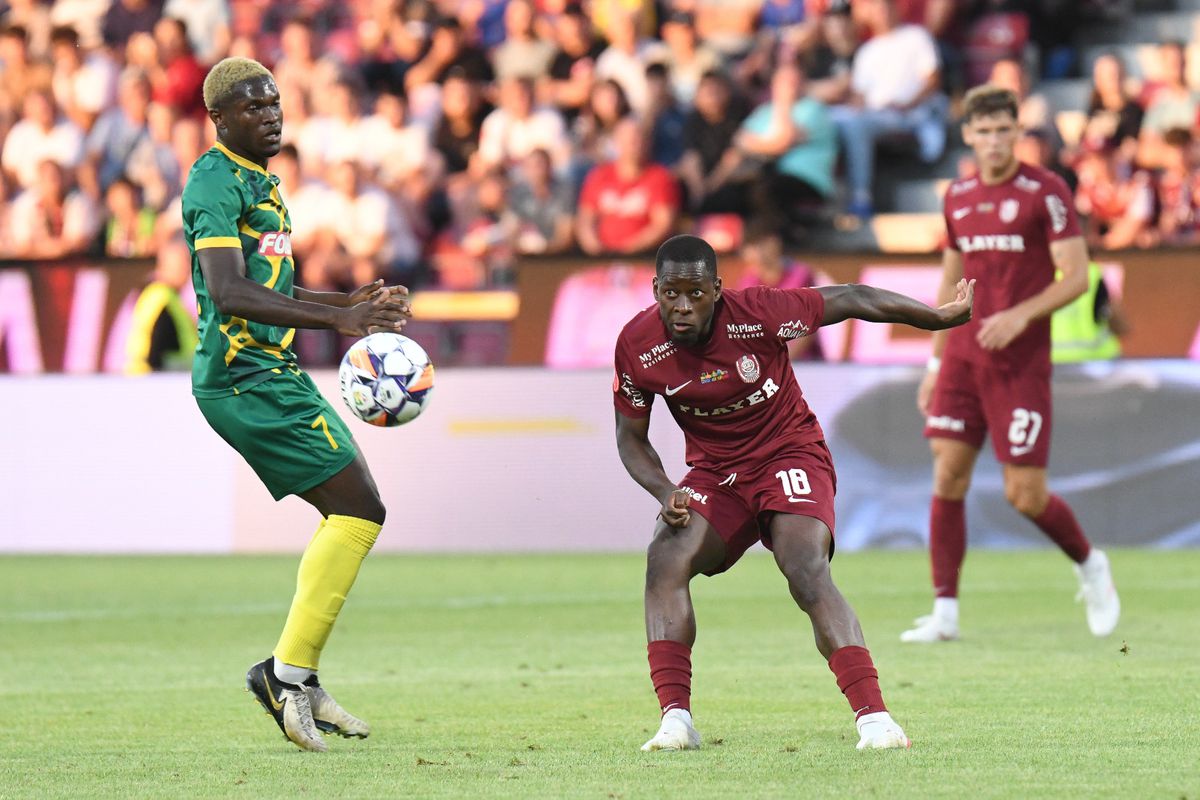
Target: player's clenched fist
675,509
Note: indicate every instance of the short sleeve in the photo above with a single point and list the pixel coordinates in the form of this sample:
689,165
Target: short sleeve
629,399
211,210
1058,211
951,239
787,313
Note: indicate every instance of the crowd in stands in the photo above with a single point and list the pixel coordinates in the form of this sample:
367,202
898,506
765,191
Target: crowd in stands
434,141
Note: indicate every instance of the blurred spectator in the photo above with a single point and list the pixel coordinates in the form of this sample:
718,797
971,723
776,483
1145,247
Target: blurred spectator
207,25
606,12
120,130
895,89
33,17
396,150
449,50
152,165
516,128
522,54
626,57
573,68
20,76
540,207
457,135
370,237
1119,207
130,229
51,220
162,335
304,197
40,136
1114,118
124,18
709,158
1170,104
84,83
1179,189
1090,327
627,205
336,133
664,119
686,58
1034,112
485,234
783,14
482,20
828,62
593,129
389,43
995,30
725,25
794,137
764,264
175,75
85,16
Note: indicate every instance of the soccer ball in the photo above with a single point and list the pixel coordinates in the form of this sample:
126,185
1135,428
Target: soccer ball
386,379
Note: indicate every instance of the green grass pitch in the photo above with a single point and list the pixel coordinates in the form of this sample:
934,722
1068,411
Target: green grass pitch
525,676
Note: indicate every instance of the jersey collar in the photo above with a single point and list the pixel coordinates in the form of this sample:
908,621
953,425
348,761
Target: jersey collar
241,162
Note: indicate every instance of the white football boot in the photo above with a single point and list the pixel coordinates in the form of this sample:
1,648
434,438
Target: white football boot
879,731
675,733
1097,590
940,626
329,716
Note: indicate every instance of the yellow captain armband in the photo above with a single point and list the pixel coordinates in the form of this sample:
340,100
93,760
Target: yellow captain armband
218,241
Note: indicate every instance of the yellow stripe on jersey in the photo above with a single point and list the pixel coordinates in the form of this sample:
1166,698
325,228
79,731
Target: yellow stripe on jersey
218,241
235,158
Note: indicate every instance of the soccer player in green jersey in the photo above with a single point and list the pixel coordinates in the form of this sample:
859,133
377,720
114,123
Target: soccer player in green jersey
249,388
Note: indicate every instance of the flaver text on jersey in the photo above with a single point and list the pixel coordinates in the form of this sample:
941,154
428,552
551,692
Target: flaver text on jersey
1014,243
768,390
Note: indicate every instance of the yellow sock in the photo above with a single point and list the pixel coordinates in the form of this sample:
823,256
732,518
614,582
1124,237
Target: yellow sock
327,571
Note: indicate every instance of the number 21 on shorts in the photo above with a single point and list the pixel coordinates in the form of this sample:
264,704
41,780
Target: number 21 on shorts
795,485
1023,431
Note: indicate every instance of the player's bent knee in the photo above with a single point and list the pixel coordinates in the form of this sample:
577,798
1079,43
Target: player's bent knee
1029,501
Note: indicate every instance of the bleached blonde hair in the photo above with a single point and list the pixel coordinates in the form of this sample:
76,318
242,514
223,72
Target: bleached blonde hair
227,74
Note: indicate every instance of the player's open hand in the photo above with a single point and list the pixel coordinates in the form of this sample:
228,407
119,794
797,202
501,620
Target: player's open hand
998,331
385,310
958,310
675,509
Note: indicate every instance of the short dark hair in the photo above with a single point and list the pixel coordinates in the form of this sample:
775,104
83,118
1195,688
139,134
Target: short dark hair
1178,137
657,69
988,99
64,34
686,249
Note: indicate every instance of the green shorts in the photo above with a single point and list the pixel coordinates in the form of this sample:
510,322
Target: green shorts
286,430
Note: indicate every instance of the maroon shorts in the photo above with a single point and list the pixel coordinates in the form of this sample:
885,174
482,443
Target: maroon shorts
739,505
971,399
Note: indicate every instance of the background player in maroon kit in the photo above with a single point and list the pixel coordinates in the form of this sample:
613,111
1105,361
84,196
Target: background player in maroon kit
759,465
1008,228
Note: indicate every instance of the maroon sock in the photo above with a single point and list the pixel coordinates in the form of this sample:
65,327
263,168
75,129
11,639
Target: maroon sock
858,680
671,672
947,544
1058,522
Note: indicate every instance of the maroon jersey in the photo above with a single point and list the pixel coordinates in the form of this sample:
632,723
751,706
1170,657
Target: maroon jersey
735,396
1004,233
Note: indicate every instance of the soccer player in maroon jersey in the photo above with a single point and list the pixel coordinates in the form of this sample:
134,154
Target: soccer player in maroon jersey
1009,228
759,466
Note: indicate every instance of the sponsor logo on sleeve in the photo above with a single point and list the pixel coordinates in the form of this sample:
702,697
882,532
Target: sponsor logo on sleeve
748,369
275,243
1058,213
793,330
632,392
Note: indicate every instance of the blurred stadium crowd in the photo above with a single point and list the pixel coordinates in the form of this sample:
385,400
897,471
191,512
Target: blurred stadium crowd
435,141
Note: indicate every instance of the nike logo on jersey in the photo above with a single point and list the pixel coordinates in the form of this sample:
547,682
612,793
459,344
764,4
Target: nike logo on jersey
800,500
1020,451
673,390
729,480
962,212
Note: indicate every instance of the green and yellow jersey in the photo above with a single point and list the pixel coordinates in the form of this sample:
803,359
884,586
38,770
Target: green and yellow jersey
230,201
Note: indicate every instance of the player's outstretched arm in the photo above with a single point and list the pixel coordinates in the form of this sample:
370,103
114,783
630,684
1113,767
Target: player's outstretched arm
856,301
345,299
236,295
643,464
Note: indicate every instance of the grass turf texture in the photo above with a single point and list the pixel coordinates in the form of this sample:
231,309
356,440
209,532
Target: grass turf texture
526,676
